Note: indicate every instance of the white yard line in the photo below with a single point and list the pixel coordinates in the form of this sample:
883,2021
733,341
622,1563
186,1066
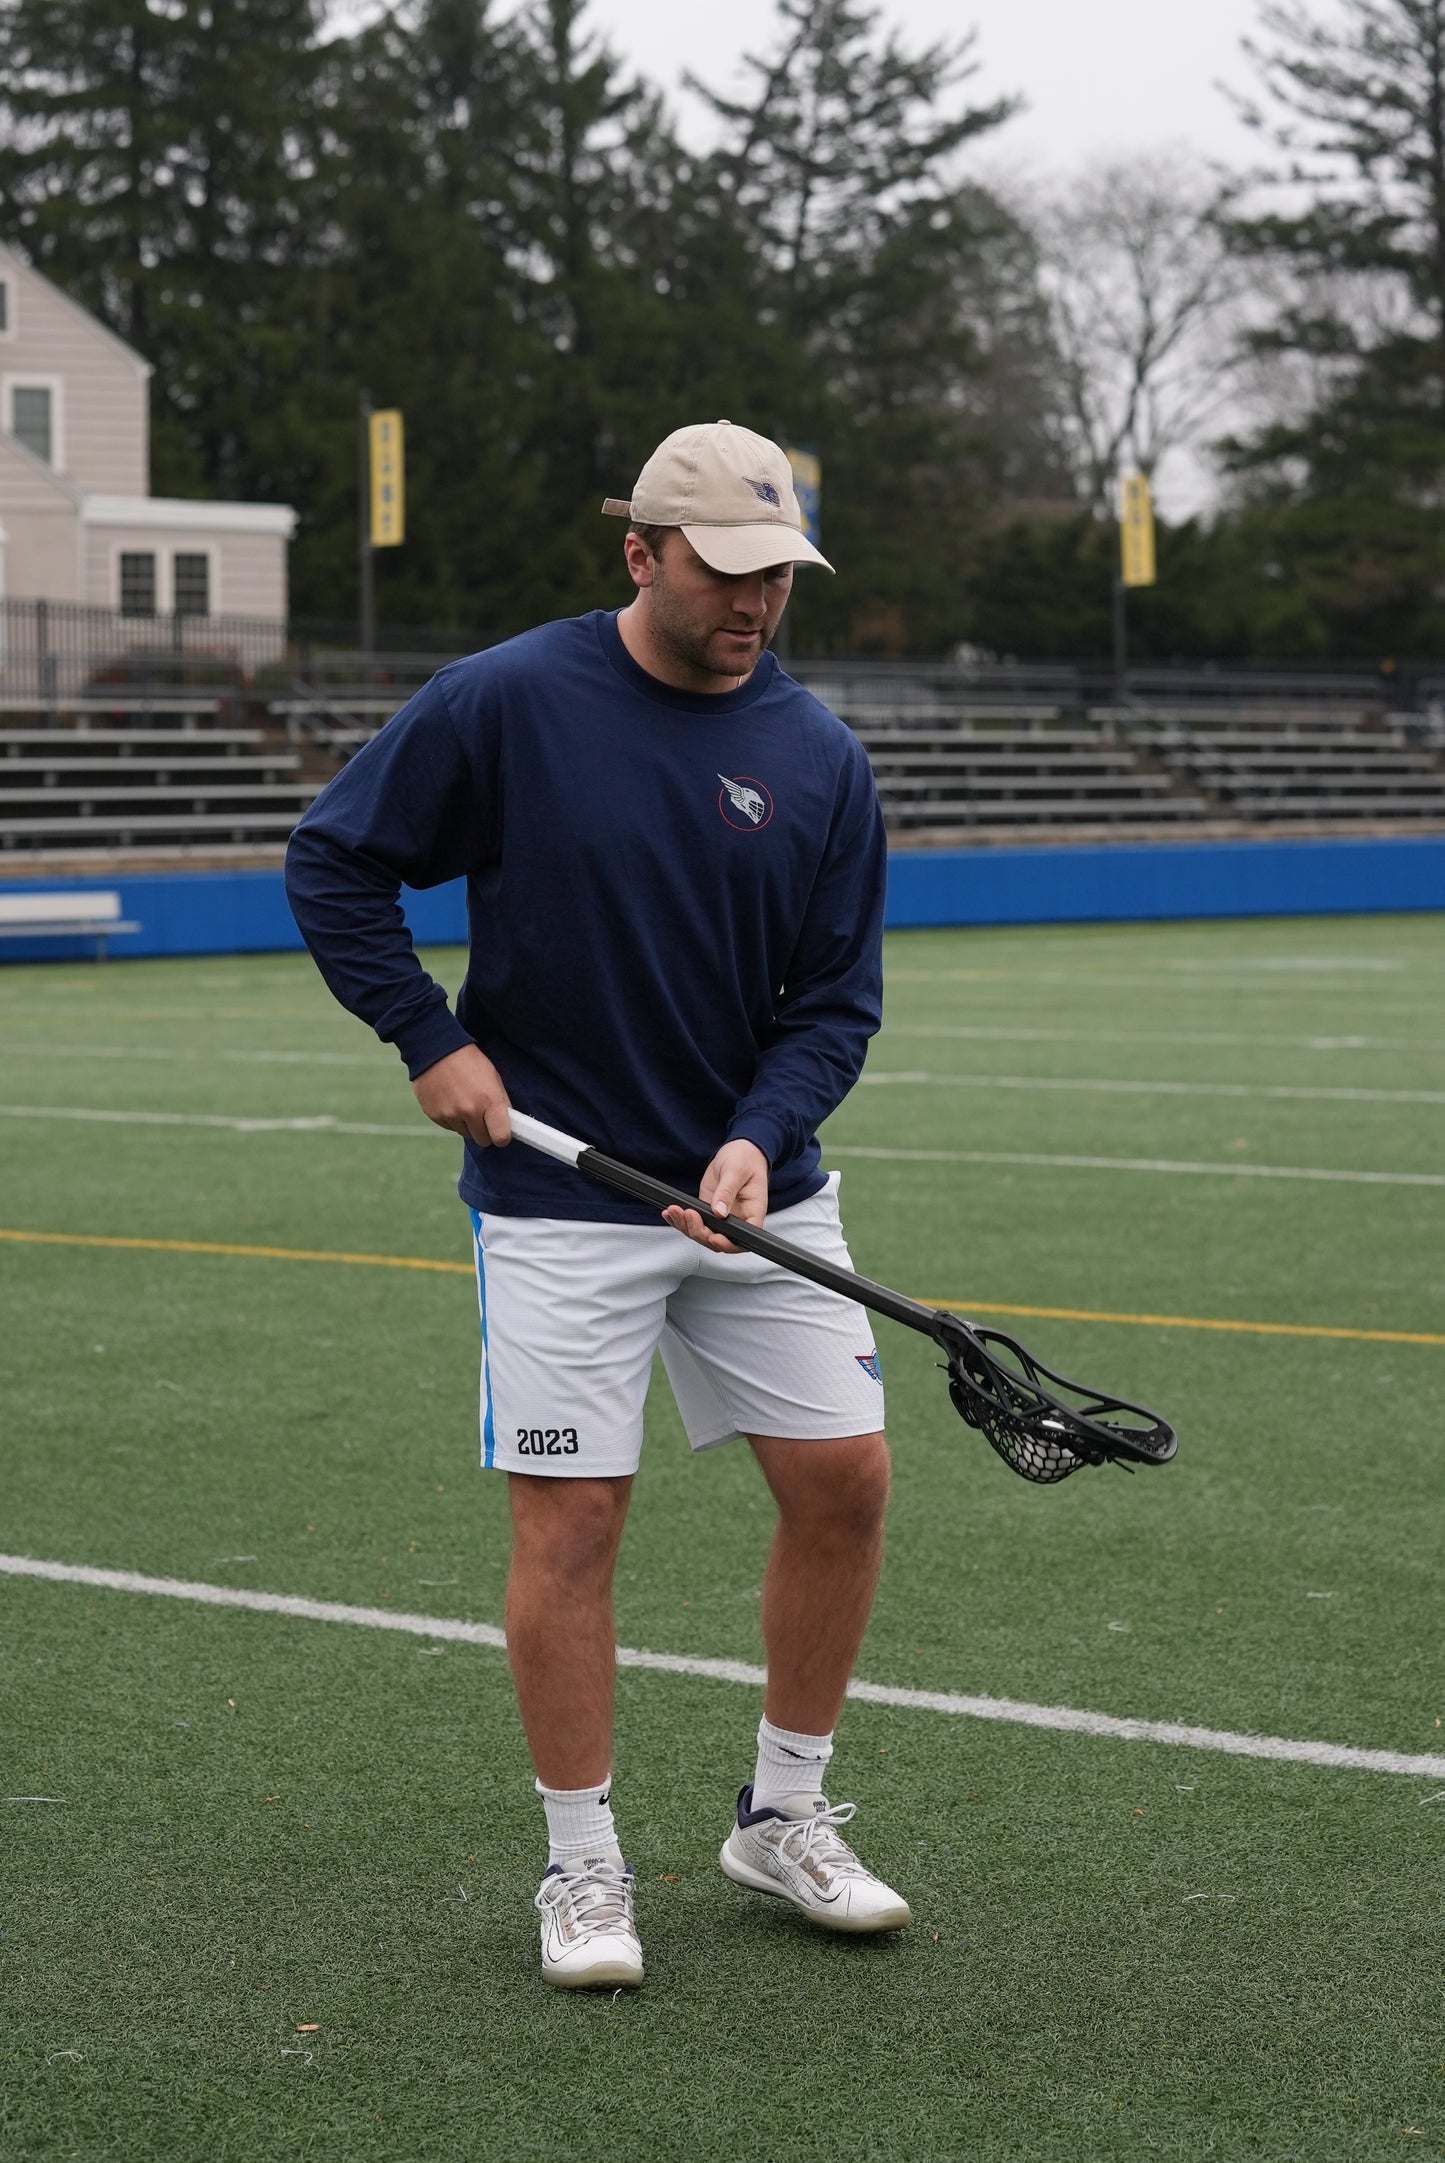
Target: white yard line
1272,983
963,1031
74,1008
1102,1085
1066,1719
315,1123
324,1123
377,1060
263,1603
1179,1167
1307,964
982,1032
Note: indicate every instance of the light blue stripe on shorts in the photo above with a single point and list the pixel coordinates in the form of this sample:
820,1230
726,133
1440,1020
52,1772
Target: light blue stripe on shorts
489,1432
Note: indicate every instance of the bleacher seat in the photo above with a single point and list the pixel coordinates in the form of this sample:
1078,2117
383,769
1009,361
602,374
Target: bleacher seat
966,766
131,773
110,787
1336,767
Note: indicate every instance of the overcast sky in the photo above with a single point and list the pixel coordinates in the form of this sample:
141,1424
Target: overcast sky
1096,75
1097,78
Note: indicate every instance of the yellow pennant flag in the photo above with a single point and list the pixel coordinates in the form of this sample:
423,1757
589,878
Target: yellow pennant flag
1136,530
388,479
808,488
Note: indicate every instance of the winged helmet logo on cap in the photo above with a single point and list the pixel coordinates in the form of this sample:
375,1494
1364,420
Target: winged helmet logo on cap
766,493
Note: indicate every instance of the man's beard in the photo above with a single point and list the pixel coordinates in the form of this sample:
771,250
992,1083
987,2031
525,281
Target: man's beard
692,648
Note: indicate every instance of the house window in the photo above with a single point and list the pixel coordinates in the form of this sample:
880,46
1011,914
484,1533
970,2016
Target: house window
31,420
137,583
191,583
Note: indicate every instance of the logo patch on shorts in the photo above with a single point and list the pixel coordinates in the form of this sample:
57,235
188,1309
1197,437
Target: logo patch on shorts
871,1364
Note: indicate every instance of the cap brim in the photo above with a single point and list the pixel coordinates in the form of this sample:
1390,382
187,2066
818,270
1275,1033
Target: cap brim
737,551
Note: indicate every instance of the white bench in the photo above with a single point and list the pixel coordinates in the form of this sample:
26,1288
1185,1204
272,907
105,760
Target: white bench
62,916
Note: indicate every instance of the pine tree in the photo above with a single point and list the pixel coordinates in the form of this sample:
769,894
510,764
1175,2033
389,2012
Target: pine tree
473,212
419,304
844,137
152,163
908,297
87,95
1347,473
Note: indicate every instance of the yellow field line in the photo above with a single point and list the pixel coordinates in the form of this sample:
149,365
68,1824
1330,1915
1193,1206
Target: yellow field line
216,1246
955,1306
1192,1321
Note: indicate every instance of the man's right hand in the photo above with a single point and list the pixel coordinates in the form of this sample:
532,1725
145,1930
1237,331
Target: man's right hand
464,1093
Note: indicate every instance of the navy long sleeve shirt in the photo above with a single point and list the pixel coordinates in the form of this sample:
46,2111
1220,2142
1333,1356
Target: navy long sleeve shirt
675,906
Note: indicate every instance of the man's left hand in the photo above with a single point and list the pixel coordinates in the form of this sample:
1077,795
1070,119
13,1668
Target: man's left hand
735,1184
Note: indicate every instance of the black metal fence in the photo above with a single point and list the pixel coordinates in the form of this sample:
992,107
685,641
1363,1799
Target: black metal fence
62,655
59,654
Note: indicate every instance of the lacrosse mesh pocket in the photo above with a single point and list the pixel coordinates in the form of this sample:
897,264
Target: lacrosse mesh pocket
1026,1433
1043,1425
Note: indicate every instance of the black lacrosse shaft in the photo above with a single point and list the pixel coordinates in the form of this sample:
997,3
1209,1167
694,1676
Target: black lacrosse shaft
910,1312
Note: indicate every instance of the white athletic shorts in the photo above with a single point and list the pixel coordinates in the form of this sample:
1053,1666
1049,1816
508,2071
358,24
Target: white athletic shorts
572,1313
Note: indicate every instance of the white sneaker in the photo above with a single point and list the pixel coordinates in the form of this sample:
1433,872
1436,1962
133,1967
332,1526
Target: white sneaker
588,1934
804,1860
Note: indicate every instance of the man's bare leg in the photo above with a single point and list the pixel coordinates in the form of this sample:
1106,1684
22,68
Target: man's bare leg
821,1572
565,1537
816,1595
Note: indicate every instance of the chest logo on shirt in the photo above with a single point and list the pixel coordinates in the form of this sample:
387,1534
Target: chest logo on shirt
744,803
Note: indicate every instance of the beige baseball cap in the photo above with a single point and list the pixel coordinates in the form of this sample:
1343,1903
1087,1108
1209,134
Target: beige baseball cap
732,494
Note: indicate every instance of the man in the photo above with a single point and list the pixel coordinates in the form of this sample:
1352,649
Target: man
675,862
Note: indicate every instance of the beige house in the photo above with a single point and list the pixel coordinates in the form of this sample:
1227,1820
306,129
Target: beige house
79,521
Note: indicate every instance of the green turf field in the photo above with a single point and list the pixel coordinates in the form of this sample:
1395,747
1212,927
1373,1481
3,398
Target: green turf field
1121,1949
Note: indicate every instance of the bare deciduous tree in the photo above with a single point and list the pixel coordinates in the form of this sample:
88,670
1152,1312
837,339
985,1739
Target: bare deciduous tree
1143,297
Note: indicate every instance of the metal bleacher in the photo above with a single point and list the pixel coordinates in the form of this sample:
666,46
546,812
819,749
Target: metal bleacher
122,775
954,760
1281,767
150,766
979,769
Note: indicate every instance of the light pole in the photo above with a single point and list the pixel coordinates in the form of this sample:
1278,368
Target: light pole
363,524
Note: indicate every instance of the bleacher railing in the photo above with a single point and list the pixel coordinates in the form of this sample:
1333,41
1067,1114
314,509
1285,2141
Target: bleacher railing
58,652
54,651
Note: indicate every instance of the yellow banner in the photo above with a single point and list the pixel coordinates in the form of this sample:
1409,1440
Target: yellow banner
808,488
388,479
1136,531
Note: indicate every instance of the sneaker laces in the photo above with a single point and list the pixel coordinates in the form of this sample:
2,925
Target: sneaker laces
600,1897
818,1836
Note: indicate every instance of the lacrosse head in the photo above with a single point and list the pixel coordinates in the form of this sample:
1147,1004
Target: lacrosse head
1042,1425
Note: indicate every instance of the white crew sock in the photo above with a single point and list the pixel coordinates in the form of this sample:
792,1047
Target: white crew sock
579,1824
790,1768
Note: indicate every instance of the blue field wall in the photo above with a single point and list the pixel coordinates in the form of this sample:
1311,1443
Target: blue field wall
1145,882
245,912
215,912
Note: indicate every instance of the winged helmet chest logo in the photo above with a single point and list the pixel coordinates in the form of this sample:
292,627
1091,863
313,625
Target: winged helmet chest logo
744,801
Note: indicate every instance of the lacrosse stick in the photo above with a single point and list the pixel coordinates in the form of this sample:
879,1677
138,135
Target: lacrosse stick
1042,1425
